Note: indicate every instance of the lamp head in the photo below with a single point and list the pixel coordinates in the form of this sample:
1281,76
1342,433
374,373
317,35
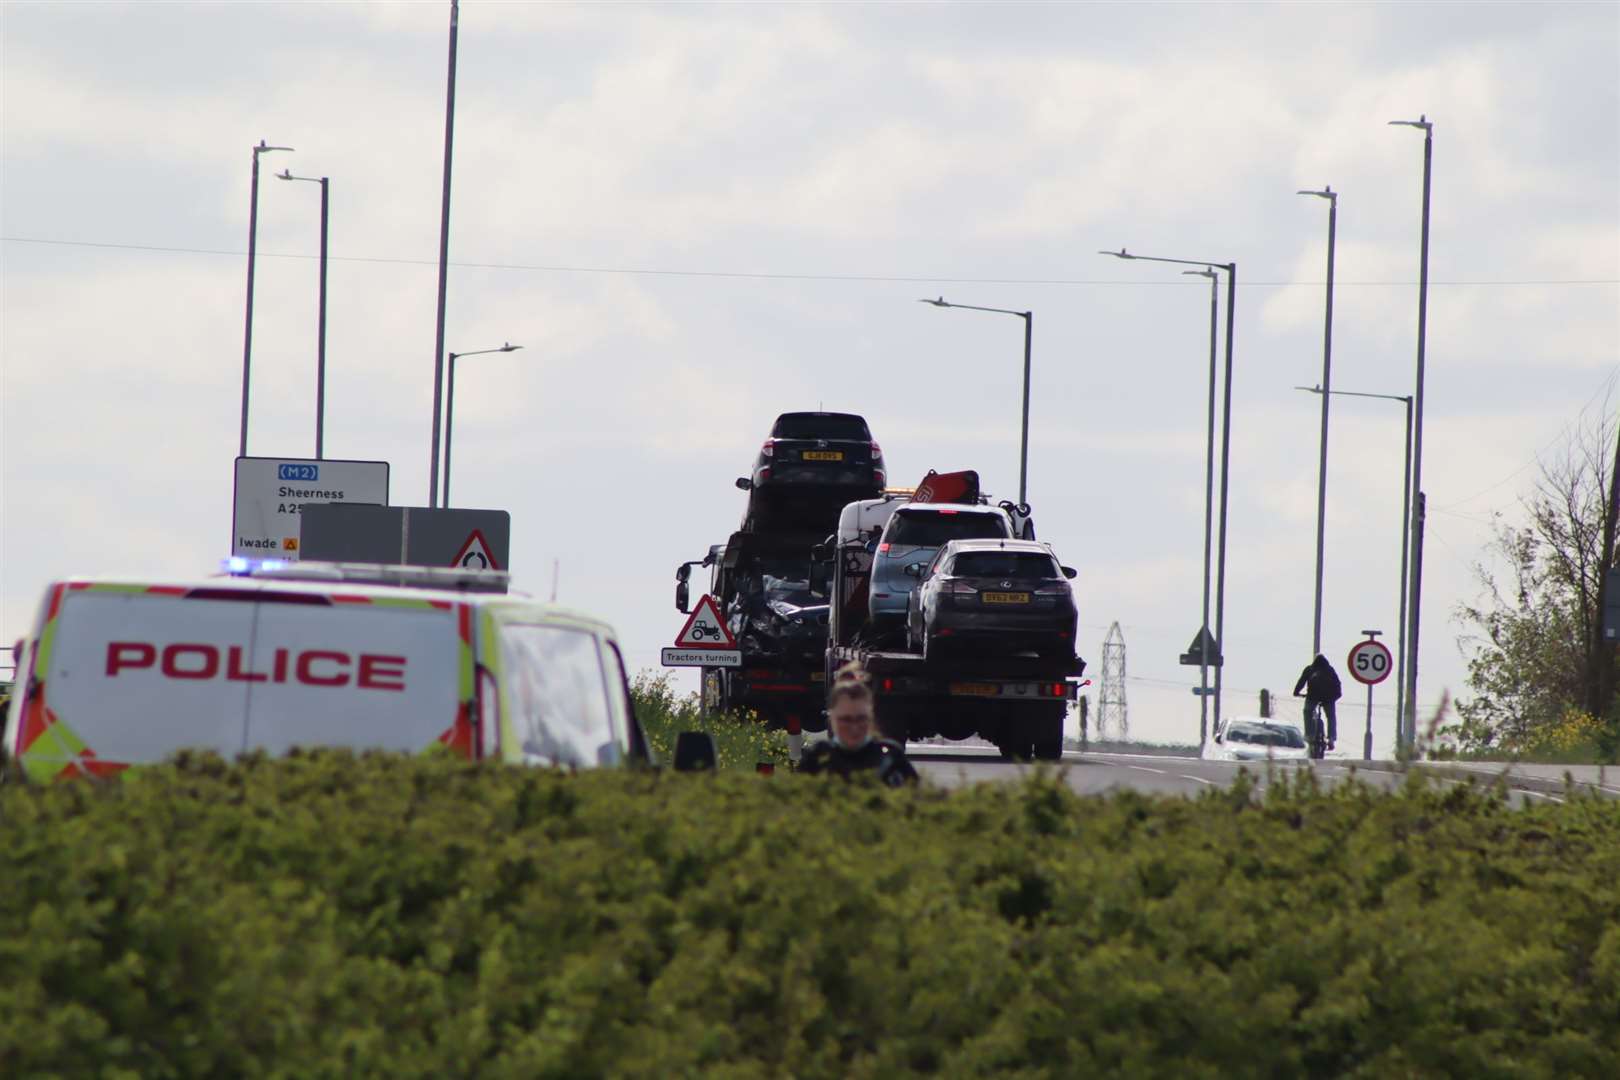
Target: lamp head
263,148
1310,389
506,347
941,302
1327,192
1421,122
1120,254
1212,275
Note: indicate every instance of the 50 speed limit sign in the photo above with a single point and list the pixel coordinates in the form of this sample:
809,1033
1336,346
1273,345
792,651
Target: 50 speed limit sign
1370,662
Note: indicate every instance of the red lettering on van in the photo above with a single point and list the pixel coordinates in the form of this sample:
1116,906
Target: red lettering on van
313,667
234,672
173,653
307,659
129,654
381,672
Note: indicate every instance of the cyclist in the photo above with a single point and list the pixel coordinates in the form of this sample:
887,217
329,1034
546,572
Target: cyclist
1319,685
853,746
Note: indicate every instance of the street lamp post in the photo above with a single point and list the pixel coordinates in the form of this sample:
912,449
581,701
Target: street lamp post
1406,536
1415,523
1226,460
253,246
1023,445
444,251
320,332
450,408
1209,504
1332,197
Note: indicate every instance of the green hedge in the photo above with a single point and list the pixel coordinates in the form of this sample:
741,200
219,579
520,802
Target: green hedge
331,916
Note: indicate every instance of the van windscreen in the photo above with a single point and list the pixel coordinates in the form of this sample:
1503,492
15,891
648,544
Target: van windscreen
557,694
1266,735
918,528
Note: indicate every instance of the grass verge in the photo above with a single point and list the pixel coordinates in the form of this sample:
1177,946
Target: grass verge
741,742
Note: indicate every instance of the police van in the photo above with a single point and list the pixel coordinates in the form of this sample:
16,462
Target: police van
275,655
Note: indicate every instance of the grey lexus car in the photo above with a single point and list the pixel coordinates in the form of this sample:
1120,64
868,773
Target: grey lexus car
993,596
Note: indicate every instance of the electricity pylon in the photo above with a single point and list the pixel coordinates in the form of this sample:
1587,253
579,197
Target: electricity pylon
1112,714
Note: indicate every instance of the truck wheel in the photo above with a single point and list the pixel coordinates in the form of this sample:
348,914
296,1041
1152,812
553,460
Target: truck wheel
892,725
1015,743
1046,733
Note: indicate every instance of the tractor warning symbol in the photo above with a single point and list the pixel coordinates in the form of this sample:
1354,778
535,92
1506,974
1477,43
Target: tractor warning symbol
704,630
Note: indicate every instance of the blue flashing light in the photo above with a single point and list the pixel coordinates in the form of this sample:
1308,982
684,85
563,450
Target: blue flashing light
241,565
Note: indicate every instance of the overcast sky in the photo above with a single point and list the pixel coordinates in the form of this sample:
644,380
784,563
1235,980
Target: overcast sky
696,216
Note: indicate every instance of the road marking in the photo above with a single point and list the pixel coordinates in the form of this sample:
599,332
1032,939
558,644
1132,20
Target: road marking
1200,779
1520,790
1144,768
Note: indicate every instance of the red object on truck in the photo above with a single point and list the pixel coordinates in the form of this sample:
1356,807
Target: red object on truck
951,487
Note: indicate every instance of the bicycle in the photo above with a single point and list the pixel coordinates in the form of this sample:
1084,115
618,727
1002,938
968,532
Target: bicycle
1315,734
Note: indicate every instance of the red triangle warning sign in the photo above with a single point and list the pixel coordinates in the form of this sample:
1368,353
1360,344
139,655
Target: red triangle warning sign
704,628
475,554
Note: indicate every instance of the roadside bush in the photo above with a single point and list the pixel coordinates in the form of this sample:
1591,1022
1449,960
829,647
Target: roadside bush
333,916
741,741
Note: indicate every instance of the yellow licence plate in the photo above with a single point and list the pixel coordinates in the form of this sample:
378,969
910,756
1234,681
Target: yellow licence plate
823,455
975,689
1005,597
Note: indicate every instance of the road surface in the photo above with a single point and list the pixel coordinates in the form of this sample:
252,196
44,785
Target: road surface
1091,774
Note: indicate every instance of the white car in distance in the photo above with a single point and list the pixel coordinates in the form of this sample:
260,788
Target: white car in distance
1254,738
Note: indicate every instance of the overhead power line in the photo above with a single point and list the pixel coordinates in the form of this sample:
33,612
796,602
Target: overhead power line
759,276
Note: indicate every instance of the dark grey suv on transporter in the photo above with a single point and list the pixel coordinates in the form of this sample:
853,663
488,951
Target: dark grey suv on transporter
993,596
812,464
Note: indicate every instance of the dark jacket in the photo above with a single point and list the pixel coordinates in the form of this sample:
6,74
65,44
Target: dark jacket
887,759
1319,681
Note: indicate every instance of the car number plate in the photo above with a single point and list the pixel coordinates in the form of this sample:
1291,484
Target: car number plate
823,455
975,689
1005,597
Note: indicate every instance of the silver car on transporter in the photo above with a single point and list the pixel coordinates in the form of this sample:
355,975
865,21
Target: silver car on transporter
914,535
